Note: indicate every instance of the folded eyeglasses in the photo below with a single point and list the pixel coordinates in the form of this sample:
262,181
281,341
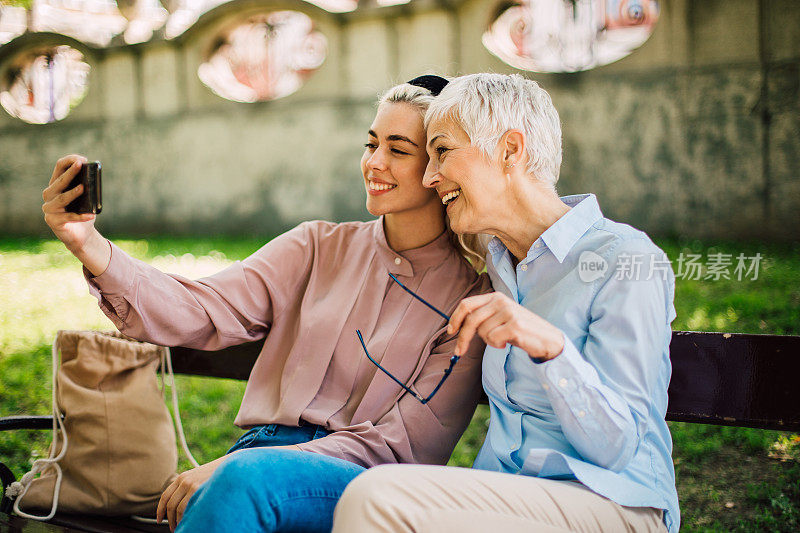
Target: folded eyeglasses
453,360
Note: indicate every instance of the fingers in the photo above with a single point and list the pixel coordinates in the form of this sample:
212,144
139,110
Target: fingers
59,185
500,335
499,320
64,163
182,507
80,217
465,307
471,323
63,217
175,498
173,503
162,502
494,330
58,203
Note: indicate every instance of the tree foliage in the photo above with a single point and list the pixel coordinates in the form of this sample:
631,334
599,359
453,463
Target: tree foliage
27,4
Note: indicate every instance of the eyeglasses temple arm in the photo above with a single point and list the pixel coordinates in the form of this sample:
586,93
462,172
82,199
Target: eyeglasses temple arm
417,396
453,361
415,295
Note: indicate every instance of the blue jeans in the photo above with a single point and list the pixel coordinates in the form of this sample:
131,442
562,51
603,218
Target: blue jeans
263,489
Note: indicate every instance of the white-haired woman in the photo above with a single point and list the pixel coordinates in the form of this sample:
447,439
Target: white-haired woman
577,363
318,410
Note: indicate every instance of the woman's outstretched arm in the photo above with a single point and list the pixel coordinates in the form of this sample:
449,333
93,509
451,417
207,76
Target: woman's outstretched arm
234,306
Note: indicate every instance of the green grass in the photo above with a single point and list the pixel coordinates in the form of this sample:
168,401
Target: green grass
729,479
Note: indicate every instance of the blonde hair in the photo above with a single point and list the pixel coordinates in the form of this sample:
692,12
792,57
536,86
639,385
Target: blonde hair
470,247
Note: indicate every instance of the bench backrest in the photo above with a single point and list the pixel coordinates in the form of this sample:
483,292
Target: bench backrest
717,378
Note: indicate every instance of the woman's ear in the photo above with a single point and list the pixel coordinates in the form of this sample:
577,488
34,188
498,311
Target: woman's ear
513,148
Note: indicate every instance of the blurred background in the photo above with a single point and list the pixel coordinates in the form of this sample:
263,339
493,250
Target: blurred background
220,124
249,116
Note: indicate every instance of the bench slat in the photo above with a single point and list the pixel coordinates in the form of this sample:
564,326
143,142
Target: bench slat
26,422
234,362
735,379
717,378
71,523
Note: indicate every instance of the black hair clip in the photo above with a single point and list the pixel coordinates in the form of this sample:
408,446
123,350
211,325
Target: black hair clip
433,83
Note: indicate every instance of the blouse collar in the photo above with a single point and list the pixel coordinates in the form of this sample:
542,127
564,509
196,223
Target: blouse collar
405,263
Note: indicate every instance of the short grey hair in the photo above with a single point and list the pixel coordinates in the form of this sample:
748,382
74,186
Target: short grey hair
488,105
418,97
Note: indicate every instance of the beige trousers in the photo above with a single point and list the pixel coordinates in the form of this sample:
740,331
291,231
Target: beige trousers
447,499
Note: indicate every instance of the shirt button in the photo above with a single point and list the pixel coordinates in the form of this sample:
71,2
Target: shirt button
524,267
562,382
397,260
581,414
536,245
546,386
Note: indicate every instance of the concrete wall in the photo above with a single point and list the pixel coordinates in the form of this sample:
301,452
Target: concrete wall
697,133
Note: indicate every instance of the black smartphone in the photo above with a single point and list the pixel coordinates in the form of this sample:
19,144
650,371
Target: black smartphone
90,200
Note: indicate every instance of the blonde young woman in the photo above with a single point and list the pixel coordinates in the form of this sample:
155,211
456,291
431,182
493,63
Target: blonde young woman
577,363
317,409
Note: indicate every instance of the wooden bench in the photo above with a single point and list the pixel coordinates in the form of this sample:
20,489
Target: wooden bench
717,378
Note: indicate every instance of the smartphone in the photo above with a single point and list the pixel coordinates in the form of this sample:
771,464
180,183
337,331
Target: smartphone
90,200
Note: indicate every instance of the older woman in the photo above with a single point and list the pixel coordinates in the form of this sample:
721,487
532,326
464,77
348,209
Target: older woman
577,363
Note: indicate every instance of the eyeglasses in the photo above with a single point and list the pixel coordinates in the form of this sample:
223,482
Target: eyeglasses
453,360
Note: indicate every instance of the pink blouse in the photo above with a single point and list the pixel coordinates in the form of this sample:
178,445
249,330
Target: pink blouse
307,291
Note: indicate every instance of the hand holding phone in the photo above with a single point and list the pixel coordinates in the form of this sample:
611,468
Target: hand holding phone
76,230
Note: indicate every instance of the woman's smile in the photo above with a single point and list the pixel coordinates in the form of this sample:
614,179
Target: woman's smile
450,197
377,187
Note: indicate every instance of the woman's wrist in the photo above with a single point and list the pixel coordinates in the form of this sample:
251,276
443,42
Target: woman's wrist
557,344
95,254
551,347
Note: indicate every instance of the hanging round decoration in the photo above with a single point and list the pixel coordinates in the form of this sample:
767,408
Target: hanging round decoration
568,35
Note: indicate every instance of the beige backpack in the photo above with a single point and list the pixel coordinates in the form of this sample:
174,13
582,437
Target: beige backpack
114,453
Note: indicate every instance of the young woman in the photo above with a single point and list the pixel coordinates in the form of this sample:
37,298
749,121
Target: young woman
318,410
577,363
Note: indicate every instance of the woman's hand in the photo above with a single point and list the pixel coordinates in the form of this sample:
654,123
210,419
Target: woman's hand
176,497
72,229
498,320
77,232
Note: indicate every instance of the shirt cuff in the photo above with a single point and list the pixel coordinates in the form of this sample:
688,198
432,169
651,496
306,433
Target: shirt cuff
565,373
111,286
118,277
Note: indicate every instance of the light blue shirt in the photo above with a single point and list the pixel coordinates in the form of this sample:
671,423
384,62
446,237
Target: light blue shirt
596,411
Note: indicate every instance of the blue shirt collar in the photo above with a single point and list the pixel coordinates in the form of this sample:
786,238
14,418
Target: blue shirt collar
496,247
562,236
